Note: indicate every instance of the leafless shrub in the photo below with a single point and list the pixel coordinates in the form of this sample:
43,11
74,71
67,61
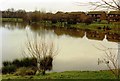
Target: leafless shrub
44,51
111,59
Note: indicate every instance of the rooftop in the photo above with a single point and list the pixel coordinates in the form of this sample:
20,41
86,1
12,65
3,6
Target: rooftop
96,12
114,12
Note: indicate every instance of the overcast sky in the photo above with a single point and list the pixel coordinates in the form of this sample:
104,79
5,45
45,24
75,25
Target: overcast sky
46,5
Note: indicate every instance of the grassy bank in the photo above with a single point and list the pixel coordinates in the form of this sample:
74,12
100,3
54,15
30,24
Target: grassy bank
67,75
11,19
112,27
102,27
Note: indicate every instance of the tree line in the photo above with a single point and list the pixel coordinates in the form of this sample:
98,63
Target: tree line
35,16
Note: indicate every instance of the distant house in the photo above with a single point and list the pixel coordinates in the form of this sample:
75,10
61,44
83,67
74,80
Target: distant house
77,13
4,14
97,15
114,16
78,16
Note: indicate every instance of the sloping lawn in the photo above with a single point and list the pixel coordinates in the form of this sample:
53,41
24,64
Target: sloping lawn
67,75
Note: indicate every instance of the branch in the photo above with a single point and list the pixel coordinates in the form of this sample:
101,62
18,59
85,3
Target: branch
116,3
109,4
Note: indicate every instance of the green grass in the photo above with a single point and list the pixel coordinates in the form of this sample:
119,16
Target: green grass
94,26
11,19
67,75
114,27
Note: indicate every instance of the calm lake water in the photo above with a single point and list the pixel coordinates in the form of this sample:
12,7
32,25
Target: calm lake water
77,49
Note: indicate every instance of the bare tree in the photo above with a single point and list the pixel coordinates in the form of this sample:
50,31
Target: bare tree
44,51
102,4
108,4
111,59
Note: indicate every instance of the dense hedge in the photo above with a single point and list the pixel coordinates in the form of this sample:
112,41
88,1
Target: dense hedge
11,67
8,69
26,62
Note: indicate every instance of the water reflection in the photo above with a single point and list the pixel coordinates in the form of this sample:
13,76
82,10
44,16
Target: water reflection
12,26
41,29
113,37
76,47
70,32
95,35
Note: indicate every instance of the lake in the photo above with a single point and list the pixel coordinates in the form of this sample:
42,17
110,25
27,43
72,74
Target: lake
77,48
